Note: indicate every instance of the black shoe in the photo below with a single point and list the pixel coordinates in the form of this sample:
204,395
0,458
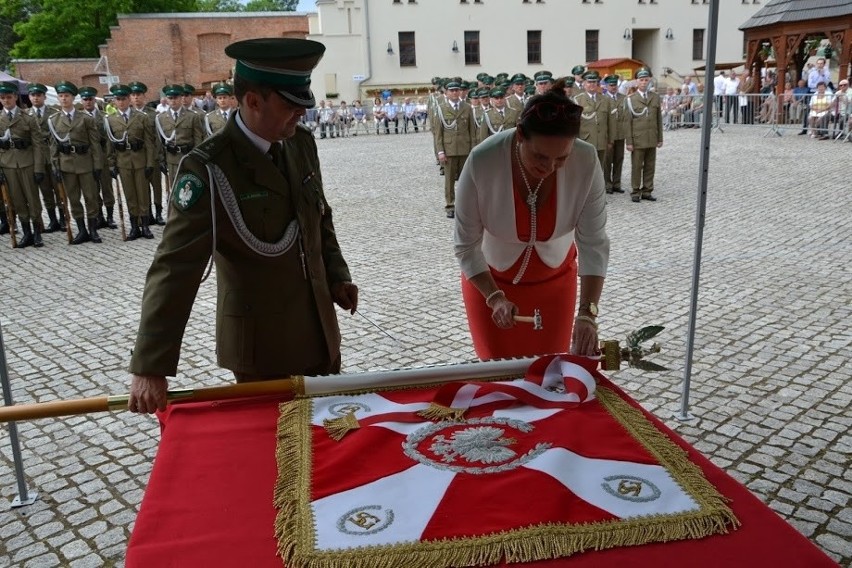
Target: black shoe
27,241
134,230
4,224
649,197
617,190
803,132
82,233
159,218
609,190
146,232
53,226
37,240
62,226
102,223
110,223
94,223
451,213
635,198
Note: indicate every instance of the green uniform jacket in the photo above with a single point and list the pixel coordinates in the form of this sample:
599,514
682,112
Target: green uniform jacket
138,130
46,112
596,128
644,120
159,151
456,133
214,121
83,131
619,114
275,314
23,128
188,133
494,122
98,117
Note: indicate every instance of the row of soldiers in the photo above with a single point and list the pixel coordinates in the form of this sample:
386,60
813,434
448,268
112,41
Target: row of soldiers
63,155
464,114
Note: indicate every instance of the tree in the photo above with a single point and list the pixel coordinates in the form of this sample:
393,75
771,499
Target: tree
271,5
219,6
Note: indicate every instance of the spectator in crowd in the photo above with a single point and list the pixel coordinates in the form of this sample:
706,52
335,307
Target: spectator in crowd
209,103
787,101
378,113
409,110
696,108
344,119
326,119
164,105
746,98
820,113
359,118
391,114
670,109
813,76
689,87
310,119
801,94
840,109
421,111
732,88
719,92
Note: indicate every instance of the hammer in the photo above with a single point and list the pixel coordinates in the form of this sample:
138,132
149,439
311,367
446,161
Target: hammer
534,319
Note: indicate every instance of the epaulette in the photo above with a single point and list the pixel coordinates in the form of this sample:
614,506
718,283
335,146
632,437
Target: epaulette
211,147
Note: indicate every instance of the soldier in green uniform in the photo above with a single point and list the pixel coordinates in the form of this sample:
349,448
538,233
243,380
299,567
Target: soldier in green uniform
477,111
22,151
578,71
515,98
279,267
215,120
455,132
188,99
106,197
571,87
615,153
130,150
137,101
76,156
179,129
499,117
50,195
543,81
644,136
596,128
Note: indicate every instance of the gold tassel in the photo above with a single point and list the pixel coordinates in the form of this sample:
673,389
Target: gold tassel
439,413
337,428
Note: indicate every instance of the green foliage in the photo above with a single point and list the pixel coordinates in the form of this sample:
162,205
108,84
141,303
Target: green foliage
271,5
219,6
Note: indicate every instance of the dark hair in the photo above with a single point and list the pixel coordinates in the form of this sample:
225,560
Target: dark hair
551,114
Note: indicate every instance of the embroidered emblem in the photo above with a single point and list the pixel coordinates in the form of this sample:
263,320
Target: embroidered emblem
253,195
344,408
478,446
366,520
187,191
631,488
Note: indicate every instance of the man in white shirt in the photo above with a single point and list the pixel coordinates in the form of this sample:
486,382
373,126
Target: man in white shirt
731,88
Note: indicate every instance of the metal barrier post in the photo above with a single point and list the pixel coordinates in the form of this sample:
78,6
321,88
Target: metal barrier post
24,497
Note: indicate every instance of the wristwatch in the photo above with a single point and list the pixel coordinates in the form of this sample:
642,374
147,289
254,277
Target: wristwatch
590,307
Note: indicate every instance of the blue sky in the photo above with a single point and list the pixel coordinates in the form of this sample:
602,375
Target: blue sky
307,6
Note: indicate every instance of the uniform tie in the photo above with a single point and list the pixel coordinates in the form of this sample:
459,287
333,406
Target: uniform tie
125,117
10,114
68,114
455,106
276,152
38,111
175,115
225,115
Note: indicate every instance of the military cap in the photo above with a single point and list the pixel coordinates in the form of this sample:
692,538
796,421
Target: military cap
120,90
173,90
488,80
498,93
222,89
543,77
137,87
436,80
529,90
641,73
283,63
66,87
480,76
578,70
7,88
470,85
36,88
188,89
591,76
518,79
474,94
569,81
611,79
87,92
452,84
499,76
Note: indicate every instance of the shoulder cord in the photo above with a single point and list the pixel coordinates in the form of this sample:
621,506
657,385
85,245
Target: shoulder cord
490,127
450,126
207,125
163,134
478,123
110,135
53,130
633,112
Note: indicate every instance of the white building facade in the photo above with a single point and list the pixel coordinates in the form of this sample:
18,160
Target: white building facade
402,44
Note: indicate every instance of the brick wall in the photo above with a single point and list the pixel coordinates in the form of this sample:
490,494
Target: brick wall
168,48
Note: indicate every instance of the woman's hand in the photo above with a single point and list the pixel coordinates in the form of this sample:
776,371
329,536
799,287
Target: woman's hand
503,312
584,339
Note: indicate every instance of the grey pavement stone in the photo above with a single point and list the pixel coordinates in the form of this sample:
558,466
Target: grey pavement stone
770,370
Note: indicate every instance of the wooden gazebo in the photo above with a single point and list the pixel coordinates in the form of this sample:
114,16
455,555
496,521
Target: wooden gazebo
792,29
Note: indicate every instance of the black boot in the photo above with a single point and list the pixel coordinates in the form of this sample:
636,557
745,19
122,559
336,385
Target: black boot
4,224
82,233
37,241
62,226
146,232
27,241
109,221
102,224
53,226
94,224
134,230
159,218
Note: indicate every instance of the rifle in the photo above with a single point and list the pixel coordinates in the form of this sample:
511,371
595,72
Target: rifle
118,194
10,211
60,185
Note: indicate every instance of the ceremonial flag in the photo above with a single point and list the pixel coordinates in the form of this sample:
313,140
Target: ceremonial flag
475,473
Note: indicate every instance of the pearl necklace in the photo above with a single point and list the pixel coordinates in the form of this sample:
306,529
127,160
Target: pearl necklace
532,200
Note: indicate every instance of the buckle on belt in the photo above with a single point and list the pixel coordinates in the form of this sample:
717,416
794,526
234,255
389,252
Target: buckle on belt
72,149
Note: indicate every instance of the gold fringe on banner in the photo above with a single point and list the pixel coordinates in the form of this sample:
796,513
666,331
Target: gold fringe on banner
439,413
337,428
294,524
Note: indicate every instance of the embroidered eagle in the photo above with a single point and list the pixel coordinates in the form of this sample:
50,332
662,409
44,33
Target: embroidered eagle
185,194
476,444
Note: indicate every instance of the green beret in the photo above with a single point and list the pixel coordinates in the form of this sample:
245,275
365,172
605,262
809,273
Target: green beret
641,73
37,88
138,87
569,81
173,90
87,92
66,87
543,77
222,89
120,90
452,84
518,79
592,76
7,88
611,79
498,93
578,70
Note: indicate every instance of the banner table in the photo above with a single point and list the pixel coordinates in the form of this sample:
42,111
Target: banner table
209,502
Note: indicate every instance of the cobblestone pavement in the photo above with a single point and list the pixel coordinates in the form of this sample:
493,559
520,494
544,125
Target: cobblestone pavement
771,383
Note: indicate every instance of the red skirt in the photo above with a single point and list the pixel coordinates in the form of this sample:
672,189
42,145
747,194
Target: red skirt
553,291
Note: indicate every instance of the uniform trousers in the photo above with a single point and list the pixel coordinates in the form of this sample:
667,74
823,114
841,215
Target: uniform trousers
452,169
24,193
80,186
106,196
612,165
601,158
135,186
643,162
49,192
156,182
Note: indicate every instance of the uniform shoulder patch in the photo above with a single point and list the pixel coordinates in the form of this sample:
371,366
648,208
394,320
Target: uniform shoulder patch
187,191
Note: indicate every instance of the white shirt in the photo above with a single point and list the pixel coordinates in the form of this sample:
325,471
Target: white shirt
719,85
731,86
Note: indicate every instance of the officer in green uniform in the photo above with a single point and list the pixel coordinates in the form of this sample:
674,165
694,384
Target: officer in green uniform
279,268
189,99
106,197
571,87
644,136
543,81
77,158
477,112
137,101
179,129
499,117
596,128
578,71
515,98
22,151
215,120
50,195
130,150
615,153
455,131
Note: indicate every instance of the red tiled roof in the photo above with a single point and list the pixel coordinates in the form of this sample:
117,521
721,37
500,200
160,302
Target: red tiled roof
610,62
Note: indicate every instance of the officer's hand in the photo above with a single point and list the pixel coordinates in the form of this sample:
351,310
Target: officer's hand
149,172
57,175
97,174
503,312
345,295
584,339
147,393
442,158
113,172
164,169
38,177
